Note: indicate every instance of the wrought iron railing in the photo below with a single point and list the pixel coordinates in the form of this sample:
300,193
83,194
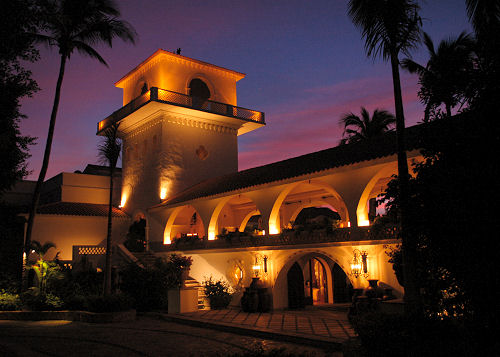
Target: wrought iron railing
169,97
289,238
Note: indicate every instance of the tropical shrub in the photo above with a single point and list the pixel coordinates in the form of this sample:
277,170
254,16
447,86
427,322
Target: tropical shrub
149,286
9,301
35,300
218,292
396,335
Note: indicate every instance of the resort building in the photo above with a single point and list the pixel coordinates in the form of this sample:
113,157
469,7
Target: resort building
179,126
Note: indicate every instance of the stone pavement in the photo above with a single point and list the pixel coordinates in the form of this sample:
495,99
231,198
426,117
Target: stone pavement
325,326
145,336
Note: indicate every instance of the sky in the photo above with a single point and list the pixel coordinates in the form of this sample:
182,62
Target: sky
304,61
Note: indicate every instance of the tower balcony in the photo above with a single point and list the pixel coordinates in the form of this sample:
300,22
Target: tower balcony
243,119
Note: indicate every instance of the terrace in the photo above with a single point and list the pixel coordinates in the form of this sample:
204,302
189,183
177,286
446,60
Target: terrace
284,239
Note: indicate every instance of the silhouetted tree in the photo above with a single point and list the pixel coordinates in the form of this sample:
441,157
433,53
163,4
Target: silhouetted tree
363,128
390,27
74,25
18,20
484,16
446,76
109,152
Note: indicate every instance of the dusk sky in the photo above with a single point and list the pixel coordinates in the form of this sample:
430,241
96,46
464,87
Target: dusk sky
304,60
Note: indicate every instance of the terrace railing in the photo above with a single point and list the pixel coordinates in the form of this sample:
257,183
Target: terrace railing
285,239
183,100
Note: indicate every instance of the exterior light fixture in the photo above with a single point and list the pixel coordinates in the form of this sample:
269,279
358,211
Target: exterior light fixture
265,263
359,266
256,269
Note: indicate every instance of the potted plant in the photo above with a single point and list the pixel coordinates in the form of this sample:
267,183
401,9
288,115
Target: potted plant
218,293
182,265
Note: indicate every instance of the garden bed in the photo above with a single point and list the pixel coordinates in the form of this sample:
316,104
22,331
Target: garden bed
84,316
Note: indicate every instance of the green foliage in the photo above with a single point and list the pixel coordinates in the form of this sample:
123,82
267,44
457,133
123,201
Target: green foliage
35,300
9,301
180,262
76,286
218,292
46,271
18,18
453,218
149,287
109,303
136,236
396,335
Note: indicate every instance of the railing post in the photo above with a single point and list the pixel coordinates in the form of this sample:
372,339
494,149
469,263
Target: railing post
153,93
230,111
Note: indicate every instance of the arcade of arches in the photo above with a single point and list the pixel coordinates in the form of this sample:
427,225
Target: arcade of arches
296,275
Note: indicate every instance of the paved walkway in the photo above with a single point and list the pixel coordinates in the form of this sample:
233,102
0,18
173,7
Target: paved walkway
326,325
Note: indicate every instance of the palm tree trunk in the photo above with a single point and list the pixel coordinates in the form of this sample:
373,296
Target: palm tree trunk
427,112
448,109
107,276
48,146
412,295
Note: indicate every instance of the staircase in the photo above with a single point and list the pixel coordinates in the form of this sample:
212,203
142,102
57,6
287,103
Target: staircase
146,258
203,303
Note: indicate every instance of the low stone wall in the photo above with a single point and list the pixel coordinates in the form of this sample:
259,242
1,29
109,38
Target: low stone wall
84,316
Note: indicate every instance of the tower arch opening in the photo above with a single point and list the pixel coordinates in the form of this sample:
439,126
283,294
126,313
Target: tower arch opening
199,92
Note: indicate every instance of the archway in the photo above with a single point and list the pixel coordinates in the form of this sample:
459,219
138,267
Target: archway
231,215
199,91
184,222
323,280
311,193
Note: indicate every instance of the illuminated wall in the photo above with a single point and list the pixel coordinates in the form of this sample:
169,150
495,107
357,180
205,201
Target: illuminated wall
173,72
66,231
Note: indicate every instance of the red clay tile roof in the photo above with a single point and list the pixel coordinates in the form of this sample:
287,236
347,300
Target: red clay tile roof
80,209
306,164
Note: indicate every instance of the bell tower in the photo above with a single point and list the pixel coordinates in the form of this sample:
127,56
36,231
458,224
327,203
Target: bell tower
179,125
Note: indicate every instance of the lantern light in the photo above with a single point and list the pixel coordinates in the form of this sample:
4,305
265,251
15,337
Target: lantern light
359,266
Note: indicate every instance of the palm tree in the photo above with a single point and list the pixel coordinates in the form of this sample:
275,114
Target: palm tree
484,16
359,129
41,267
109,152
390,27
74,25
445,77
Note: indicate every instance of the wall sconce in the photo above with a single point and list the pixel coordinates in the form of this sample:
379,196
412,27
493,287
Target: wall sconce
260,264
359,266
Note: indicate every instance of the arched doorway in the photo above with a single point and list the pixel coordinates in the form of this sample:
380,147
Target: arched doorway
295,280
199,91
342,287
316,286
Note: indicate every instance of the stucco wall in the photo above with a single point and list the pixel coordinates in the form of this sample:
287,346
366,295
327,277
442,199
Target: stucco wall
221,265
174,73
172,164
66,231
